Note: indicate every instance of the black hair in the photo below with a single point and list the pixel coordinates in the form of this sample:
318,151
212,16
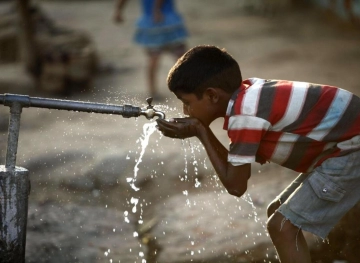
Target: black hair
202,67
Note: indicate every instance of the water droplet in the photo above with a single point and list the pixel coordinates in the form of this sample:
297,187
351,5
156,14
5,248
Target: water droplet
134,201
197,183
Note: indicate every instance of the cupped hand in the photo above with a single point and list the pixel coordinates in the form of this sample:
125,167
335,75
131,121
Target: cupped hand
179,128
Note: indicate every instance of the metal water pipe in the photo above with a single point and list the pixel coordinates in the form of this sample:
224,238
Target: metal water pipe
15,182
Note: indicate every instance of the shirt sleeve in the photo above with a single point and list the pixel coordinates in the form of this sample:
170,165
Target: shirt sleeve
245,133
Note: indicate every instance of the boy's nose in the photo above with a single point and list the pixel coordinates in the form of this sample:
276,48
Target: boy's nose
185,110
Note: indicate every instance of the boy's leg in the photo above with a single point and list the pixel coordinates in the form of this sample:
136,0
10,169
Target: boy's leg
316,205
288,240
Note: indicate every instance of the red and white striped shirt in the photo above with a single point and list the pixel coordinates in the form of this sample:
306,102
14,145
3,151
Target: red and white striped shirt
297,125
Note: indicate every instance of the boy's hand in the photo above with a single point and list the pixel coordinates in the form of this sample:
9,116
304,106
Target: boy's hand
179,128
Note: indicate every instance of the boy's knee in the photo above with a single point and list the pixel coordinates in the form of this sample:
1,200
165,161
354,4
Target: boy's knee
280,228
274,224
272,207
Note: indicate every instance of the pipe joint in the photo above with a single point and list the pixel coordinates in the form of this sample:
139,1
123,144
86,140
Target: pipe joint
11,99
150,112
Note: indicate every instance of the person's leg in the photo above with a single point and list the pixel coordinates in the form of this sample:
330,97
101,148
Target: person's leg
177,50
273,206
153,62
316,205
288,240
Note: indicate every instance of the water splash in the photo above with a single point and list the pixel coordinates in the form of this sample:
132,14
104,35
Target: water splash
148,129
194,162
185,160
189,150
247,198
193,150
197,183
126,218
134,201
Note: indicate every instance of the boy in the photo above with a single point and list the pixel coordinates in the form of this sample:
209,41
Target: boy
310,128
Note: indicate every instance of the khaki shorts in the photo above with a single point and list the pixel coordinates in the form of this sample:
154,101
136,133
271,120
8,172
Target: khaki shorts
316,201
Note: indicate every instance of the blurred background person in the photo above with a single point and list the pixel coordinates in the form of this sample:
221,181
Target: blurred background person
160,29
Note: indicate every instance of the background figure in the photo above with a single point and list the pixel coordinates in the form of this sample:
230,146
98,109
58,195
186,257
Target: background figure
159,29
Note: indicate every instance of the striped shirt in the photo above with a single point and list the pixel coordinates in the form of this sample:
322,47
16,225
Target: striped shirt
297,125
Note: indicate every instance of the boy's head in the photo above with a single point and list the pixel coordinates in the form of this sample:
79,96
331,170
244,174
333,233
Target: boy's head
202,67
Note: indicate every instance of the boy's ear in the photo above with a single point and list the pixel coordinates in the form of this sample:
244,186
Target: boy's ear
212,94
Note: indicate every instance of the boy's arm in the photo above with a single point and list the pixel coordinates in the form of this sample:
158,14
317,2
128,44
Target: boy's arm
234,178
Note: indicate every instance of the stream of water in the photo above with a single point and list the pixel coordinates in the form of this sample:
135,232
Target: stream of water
148,129
188,149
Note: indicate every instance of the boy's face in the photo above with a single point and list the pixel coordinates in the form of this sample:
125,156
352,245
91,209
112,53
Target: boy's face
202,109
